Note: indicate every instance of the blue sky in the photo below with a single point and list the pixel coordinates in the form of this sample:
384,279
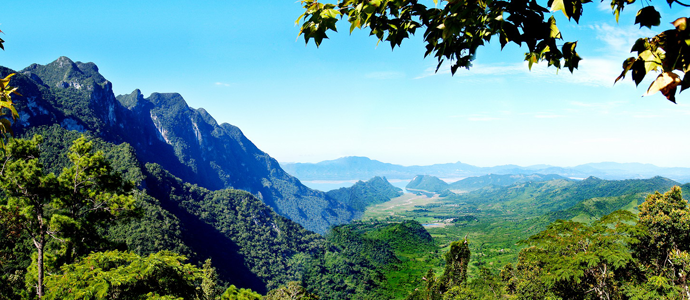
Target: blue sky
242,61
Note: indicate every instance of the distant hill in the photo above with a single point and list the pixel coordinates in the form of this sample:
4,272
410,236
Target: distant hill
594,208
475,183
557,195
435,185
427,183
346,168
364,193
357,168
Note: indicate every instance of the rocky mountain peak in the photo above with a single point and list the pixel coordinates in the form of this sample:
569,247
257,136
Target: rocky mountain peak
168,100
163,129
63,61
136,98
65,73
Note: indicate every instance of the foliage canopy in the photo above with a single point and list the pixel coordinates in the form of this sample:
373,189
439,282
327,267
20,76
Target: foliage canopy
454,30
69,208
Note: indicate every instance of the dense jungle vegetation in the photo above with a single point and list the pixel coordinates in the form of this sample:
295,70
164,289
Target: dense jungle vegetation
86,215
169,239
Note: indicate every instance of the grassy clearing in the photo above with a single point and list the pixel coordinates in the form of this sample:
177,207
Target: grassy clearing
492,231
397,207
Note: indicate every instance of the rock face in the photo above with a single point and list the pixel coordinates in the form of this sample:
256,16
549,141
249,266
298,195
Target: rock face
163,129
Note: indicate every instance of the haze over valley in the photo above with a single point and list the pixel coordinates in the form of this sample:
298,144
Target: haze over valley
345,171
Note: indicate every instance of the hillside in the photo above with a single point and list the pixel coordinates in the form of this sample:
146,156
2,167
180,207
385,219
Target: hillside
164,130
365,193
475,183
427,183
558,195
496,218
248,243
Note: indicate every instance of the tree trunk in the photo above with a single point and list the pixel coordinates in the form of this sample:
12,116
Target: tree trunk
39,241
39,266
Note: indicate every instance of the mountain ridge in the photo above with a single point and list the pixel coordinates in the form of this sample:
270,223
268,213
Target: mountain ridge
344,169
164,130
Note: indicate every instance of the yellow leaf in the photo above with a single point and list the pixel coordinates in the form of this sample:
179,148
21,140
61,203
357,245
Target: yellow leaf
7,79
559,5
665,82
680,24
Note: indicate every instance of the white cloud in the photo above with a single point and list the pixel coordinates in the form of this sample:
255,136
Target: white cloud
592,71
604,6
431,71
618,39
223,84
477,69
598,105
596,141
482,119
646,116
548,116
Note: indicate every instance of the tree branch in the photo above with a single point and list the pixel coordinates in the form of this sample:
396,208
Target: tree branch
681,3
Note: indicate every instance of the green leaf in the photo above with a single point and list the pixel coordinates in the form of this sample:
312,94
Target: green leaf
555,33
7,126
640,45
639,71
531,58
572,59
627,65
330,13
648,16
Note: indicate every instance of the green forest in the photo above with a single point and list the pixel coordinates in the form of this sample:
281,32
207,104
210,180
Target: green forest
91,211
130,231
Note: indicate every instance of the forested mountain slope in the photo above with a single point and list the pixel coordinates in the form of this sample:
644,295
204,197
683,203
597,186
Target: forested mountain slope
364,193
555,195
249,244
163,129
427,183
474,183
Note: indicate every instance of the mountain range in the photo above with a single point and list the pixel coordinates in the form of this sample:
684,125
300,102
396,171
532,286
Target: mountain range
163,129
360,168
207,192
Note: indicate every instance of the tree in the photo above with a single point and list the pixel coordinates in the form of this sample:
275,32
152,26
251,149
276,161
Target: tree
125,275
6,104
573,260
454,274
292,291
68,207
454,31
233,293
457,260
664,243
